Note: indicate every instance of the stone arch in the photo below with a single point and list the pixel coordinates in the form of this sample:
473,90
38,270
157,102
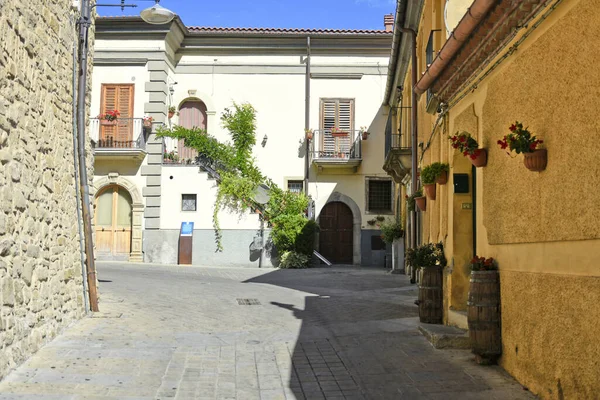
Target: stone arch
356,222
137,208
211,111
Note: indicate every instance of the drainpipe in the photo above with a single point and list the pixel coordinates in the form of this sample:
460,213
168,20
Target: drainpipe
307,115
414,139
84,26
77,191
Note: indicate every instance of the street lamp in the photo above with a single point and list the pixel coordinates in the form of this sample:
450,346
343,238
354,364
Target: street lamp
157,15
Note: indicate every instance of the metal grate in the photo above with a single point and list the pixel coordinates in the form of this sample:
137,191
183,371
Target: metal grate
248,302
379,197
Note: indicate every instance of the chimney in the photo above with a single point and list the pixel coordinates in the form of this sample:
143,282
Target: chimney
388,22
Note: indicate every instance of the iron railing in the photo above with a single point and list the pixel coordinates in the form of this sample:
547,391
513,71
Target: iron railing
104,134
328,146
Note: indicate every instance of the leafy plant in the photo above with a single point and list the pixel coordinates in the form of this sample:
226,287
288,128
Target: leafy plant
380,218
292,259
483,264
239,178
428,175
372,221
466,144
410,257
112,115
430,255
172,109
519,140
171,155
391,231
410,200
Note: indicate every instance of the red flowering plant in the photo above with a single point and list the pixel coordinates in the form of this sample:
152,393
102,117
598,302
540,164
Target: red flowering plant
466,144
519,139
110,115
483,264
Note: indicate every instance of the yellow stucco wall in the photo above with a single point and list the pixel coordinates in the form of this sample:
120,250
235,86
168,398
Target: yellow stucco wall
543,228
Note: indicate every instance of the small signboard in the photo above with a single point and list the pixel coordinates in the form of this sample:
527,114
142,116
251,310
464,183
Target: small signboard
187,228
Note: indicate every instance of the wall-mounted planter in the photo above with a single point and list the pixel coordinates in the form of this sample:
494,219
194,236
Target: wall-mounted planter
442,179
365,135
430,190
421,202
171,114
537,160
480,160
339,134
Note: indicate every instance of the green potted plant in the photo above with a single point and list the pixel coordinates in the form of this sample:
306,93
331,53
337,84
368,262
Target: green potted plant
364,133
172,111
520,140
147,121
372,222
109,117
418,199
469,147
483,312
391,231
428,175
441,172
308,133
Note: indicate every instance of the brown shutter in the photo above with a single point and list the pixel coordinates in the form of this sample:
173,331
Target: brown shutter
120,98
338,113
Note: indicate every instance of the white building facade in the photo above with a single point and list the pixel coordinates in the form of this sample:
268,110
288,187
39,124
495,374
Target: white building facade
146,186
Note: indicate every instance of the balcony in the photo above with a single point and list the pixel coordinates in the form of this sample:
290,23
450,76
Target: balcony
330,151
123,138
398,159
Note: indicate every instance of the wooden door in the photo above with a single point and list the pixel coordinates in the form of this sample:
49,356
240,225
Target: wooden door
192,114
335,238
113,221
120,98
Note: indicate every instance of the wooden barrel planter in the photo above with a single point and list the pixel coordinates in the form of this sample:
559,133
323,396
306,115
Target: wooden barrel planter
430,296
483,316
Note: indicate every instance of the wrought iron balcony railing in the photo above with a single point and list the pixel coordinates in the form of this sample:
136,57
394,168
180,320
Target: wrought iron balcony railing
327,147
123,133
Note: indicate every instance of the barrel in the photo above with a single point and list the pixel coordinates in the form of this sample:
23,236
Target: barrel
430,296
483,315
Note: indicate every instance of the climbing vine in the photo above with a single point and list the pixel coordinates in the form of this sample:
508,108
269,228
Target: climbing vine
239,178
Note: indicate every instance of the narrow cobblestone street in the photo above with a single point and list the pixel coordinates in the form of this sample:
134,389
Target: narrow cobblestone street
215,333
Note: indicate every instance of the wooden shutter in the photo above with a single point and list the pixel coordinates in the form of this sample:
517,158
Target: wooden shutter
120,98
338,113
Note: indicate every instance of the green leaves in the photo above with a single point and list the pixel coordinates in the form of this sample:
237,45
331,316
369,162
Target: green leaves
391,231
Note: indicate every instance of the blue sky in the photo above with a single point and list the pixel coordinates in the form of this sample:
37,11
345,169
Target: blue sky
334,14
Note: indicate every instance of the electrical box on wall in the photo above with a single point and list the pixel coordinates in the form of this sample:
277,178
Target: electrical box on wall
461,183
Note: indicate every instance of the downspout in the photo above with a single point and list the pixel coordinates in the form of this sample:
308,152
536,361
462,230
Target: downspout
75,168
84,26
414,139
307,116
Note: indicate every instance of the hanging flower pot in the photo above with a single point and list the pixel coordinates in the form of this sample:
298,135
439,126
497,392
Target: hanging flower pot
421,203
479,158
365,135
430,191
171,113
336,132
537,160
442,179
309,134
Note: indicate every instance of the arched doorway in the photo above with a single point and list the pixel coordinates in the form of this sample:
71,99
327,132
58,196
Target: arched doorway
336,235
192,114
113,221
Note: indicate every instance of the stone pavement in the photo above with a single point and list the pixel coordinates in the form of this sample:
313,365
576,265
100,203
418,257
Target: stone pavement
224,333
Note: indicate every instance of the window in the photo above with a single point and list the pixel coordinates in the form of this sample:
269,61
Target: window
295,186
379,196
336,113
120,98
188,202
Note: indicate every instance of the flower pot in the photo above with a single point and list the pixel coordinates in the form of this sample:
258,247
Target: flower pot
309,135
442,179
339,134
421,203
365,135
171,113
480,160
537,160
430,191
107,122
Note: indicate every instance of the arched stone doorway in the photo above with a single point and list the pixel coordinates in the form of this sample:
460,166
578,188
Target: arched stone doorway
341,216
118,219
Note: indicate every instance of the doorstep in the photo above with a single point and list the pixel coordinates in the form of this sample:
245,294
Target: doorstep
445,337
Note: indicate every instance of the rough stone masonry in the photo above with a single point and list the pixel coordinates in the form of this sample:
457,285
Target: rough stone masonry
40,273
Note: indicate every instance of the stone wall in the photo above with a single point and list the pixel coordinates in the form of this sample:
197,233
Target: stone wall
40,273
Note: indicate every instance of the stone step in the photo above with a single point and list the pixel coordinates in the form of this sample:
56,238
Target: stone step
458,319
445,337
